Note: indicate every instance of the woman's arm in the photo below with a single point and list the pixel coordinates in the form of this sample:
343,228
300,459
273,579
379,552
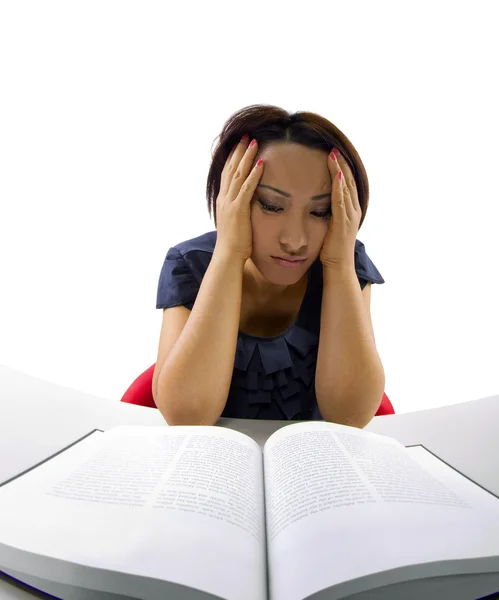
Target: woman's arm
350,378
193,383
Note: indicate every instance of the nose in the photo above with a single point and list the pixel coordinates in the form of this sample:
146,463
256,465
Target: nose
293,237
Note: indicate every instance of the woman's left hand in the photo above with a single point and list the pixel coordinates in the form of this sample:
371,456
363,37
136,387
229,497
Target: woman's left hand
339,244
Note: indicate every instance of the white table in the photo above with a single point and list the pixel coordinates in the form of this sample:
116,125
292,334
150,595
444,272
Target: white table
39,418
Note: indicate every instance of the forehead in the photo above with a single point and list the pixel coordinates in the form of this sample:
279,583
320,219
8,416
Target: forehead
295,168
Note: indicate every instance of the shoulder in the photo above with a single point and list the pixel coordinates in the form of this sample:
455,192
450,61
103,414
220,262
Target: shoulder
365,268
183,270
201,243
194,254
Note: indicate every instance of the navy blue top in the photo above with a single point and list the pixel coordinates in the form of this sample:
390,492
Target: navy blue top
273,377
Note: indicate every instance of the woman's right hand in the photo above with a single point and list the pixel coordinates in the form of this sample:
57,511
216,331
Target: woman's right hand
238,184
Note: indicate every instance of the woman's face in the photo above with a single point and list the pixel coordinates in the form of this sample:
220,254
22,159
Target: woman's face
295,225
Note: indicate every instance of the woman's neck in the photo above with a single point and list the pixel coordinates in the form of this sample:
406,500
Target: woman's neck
264,291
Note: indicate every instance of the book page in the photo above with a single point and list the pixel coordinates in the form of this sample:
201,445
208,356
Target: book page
181,504
344,504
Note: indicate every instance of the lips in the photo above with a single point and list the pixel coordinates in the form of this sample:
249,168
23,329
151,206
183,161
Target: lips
289,259
288,264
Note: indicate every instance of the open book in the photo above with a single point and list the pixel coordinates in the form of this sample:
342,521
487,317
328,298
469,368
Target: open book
326,511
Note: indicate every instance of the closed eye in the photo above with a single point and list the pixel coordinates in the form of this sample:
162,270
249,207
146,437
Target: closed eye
326,215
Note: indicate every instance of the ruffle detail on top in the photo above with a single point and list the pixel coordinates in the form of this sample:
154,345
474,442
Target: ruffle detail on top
274,377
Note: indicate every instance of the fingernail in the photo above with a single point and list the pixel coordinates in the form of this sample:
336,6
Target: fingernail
245,138
335,150
333,156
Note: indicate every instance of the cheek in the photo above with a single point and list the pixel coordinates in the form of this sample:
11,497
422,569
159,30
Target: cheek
253,216
260,227
318,236
256,215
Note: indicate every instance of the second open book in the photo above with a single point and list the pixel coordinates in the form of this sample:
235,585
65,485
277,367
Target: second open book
199,512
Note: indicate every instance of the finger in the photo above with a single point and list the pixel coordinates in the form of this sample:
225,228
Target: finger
229,158
349,189
347,195
240,168
233,160
350,194
338,193
250,184
355,197
235,147
342,165
333,166
226,179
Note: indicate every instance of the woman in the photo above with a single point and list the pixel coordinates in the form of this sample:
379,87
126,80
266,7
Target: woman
268,317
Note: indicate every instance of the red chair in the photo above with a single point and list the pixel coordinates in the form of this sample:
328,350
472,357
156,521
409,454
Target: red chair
140,392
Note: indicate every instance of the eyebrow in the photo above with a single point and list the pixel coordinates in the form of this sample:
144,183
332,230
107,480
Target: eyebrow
319,197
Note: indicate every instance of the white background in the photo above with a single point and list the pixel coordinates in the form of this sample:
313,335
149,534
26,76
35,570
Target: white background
108,115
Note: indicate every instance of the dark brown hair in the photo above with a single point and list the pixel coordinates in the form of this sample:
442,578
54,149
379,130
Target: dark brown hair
267,124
